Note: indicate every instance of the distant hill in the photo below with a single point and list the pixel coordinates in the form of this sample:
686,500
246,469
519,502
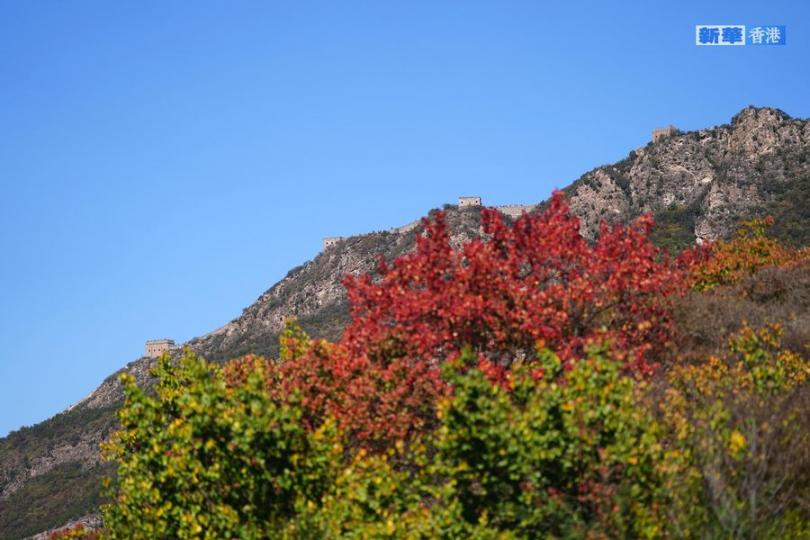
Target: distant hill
698,185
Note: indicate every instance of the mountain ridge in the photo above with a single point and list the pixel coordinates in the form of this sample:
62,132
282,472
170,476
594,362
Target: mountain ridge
697,184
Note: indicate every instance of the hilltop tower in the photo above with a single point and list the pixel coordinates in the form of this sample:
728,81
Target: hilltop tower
664,132
329,241
469,201
156,347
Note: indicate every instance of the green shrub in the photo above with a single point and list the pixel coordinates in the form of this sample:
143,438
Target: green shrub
200,459
568,455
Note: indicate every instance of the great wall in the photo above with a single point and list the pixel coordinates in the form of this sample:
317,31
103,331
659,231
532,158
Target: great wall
155,348
512,210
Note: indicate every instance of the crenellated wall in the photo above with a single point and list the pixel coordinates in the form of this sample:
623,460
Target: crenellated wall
512,210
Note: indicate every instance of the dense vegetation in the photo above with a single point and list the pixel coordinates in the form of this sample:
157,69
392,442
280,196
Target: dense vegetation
30,443
526,385
674,228
36,505
790,210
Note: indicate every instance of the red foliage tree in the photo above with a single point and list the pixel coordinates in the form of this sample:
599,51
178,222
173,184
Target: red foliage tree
535,281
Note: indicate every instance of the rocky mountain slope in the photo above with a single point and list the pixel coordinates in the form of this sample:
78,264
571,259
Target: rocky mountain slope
697,184
701,183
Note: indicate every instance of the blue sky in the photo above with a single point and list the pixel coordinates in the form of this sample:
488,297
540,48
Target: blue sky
163,163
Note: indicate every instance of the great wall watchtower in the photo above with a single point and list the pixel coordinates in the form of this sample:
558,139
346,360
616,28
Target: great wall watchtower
469,201
664,132
156,347
329,241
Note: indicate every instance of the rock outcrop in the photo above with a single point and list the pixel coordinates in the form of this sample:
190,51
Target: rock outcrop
725,173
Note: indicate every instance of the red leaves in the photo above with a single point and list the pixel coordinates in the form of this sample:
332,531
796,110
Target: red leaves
371,400
537,280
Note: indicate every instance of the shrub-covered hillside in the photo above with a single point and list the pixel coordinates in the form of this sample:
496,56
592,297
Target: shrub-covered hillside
697,184
529,384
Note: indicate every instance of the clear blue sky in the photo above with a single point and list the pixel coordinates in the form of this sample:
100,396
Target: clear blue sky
163,163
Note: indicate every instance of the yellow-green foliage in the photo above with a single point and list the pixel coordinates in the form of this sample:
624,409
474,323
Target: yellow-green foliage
374,496
570,455
567,456
199,459
539,452
740,424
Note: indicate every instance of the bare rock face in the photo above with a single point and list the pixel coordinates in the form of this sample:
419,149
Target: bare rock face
725,172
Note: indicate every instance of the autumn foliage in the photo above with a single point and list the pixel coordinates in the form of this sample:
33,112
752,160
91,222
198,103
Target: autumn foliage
537,281
742,421
726,262
521,385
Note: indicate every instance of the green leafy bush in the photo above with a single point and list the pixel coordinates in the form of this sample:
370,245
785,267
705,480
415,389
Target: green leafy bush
566,453
200,459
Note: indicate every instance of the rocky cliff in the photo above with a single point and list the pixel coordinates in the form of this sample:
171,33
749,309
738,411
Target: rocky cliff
711,178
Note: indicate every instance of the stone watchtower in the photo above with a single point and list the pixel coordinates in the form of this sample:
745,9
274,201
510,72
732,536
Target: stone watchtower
329,241
469,201
156,347
664,132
